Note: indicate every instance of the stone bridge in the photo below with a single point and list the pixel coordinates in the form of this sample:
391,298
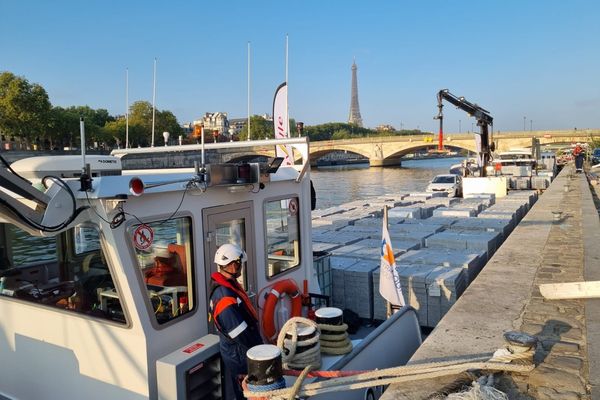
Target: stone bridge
388,150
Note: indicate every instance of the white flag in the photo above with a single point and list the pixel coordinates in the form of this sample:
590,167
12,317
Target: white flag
281,124
389,280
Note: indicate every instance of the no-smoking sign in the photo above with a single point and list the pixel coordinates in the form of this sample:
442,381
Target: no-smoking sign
143,236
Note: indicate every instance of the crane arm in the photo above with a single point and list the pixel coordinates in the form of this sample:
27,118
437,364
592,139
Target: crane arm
39,213
484,119
472,109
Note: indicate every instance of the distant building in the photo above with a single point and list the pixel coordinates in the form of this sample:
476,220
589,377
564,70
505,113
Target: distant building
385,128
216,121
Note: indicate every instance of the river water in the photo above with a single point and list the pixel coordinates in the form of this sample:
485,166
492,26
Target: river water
340,184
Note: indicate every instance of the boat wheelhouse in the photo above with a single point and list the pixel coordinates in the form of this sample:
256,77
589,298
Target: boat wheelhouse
105,278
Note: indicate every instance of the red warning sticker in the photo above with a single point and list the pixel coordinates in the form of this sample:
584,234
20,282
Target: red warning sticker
193,348
143,236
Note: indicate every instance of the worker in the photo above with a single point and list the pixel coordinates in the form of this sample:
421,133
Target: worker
234,317
579,155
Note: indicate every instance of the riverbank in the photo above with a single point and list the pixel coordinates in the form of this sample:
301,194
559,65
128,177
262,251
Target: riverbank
505,297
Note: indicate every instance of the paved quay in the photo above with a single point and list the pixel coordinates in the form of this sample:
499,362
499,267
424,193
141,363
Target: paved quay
505,297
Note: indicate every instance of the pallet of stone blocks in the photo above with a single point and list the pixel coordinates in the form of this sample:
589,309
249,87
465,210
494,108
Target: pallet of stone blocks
471,262
352,279
540,182
358,287
485,242
444,287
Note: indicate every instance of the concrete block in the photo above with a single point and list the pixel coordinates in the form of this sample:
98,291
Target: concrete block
405,212
454,212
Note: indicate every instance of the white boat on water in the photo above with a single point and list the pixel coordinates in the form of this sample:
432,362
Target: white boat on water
103,293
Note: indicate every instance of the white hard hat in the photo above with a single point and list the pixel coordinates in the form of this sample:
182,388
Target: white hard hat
229,252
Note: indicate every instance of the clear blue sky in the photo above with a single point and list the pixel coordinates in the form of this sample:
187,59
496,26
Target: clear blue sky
534,59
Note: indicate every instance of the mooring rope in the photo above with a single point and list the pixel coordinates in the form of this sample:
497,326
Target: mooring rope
336,343
403,374
309,357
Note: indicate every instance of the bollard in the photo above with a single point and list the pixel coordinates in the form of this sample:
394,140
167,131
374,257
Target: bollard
329,316
264,368
520,342
557,215
305,333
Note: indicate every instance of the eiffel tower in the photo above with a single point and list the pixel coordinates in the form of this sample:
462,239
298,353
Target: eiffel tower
354,117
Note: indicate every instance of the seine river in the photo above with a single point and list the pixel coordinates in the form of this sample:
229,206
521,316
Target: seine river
336,185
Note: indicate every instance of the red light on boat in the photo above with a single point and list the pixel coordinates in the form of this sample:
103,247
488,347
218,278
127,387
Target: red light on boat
136,186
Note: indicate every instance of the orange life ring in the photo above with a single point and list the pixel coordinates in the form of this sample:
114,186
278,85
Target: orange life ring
286,286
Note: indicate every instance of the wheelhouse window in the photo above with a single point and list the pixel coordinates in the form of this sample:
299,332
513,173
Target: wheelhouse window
164,255
68,271
283,235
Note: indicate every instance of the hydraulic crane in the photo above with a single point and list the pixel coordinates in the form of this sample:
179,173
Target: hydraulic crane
484,119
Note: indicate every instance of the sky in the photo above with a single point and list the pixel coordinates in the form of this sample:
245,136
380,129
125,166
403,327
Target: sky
532,64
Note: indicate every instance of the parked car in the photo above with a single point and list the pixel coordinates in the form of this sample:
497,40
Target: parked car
449,183
595,156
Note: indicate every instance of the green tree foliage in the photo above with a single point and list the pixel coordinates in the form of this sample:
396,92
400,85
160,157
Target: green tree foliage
260,129
24,107
327,131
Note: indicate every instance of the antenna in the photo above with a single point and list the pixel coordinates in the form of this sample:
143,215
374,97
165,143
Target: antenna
85,179
153,101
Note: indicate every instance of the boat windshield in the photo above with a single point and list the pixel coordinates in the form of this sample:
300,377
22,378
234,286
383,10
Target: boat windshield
69,272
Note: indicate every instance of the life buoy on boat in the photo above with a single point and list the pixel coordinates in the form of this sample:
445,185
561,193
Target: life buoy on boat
288,287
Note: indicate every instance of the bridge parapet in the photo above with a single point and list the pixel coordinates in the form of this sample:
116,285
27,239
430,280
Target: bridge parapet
387,150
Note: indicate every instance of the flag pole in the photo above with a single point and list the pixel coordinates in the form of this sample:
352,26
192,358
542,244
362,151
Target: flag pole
388,305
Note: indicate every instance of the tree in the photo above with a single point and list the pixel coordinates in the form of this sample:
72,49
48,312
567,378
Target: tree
260,129
24,107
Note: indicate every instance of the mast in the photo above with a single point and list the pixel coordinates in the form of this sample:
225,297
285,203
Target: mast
153,101
287,108
248,90
126,108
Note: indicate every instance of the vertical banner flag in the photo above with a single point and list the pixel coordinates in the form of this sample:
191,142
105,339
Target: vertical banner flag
281,124
389,280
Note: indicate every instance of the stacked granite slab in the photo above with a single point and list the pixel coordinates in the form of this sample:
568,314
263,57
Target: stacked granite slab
397,236
455,212
529,196
358,287
471,261
442,201
377,221
335,239
405,212
442,222
413,279
371,248
503,226
478,203
338,266
479,242
329,223
444,287
379,303
520,182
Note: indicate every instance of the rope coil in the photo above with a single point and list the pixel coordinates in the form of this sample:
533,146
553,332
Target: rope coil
335,343
293,359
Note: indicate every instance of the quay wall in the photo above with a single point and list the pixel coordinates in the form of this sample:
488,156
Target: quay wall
505,297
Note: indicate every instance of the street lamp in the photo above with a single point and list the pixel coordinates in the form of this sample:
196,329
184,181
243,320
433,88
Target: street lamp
524,122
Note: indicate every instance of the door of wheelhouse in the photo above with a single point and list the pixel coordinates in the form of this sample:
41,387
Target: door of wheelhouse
231,223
